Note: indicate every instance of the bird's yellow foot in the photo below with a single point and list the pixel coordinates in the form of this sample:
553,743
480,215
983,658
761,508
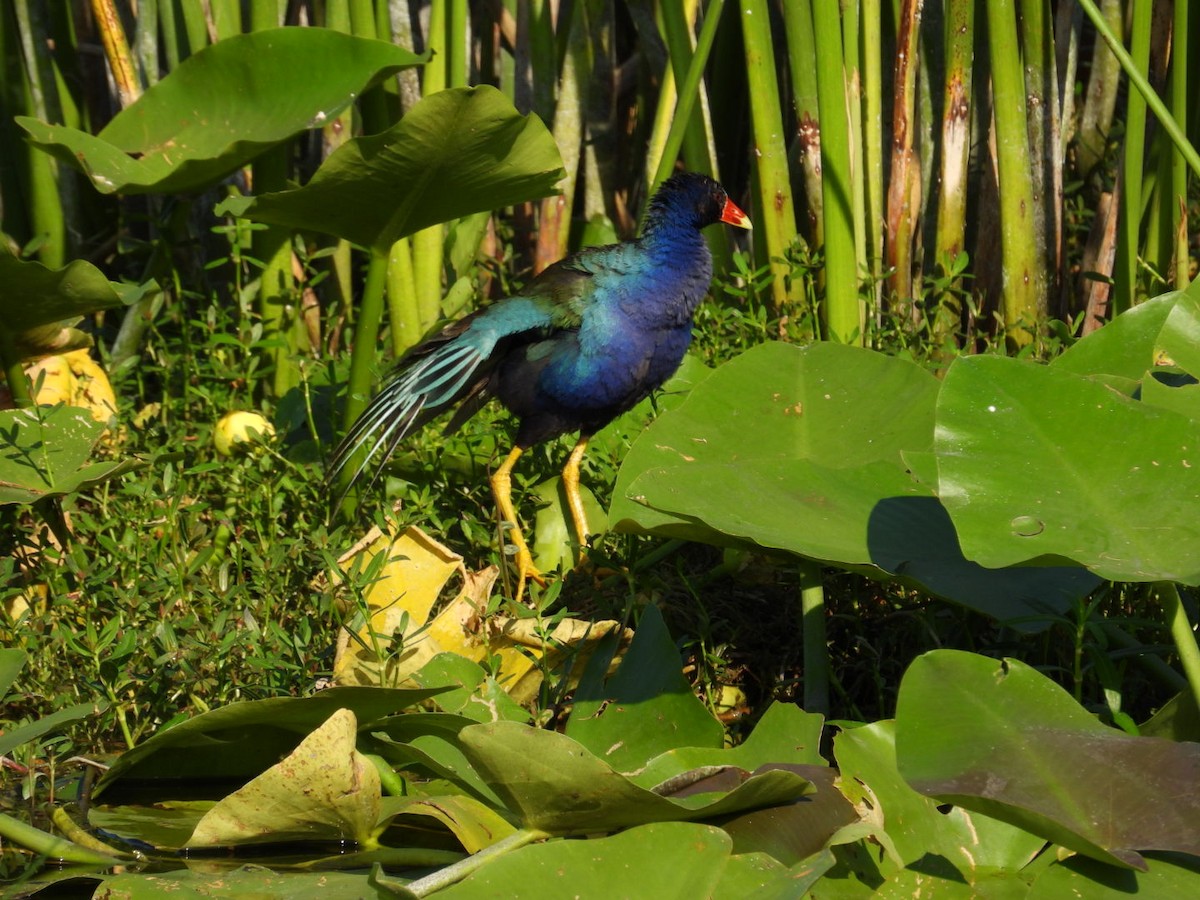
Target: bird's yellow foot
526,571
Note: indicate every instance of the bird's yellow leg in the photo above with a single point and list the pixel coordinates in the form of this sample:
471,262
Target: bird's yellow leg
502,491
570,480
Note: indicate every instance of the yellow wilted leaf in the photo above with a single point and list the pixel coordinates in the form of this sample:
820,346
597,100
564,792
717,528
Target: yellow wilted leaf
402,595
397,636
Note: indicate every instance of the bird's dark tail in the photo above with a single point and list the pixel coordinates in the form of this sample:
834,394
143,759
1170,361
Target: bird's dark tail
435,377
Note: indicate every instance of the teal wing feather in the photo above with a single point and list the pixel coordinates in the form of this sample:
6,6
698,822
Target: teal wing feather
453,366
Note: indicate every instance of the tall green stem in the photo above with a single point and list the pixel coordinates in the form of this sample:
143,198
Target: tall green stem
871,38
1125,269
904,187
775,218
423,887
955,157
1182,633
688,93
1023,298
282,323
1179,172
843,311
802,64
816,649
362,364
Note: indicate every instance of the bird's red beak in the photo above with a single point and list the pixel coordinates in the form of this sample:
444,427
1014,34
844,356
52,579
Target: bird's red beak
733,215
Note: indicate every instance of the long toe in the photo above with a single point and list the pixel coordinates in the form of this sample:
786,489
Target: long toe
527,571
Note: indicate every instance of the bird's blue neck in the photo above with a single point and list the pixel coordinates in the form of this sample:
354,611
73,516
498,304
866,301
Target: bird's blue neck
675,241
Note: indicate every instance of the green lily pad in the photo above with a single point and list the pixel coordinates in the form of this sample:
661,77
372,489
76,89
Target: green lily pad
646,708
804,450
1125,346
239,741
1168,875
554,784
784,734
1020,476
1002,739
665,859
223,106
468,690
33,295
475,825
455,153
971,843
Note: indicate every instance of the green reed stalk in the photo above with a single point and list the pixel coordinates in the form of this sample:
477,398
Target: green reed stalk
145,42
1179,172
1100,101
699,148
1182,633
688,93
677,32
335,133
871,37
428,244
265,14
47,201
1170,125
554,223
456,44
174,44
1022,296
775,217
955,160
816,644
226,17
1125,268
852,50
1041,102
196,26
842,312
283,326
806,150
362,366
904,186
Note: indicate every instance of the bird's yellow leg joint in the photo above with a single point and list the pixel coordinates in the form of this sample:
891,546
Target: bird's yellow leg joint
570,480
502,491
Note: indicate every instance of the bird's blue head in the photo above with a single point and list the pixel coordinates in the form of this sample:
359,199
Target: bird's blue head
689,199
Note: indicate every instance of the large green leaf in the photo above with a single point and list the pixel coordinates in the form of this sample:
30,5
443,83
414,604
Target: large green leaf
243,739
1002,739
324,790
1036,464
666,859
646,708
1169,876
800,449
32,295
784,734
456,152
44,453
973,843
554,784
1125,346
474,824
223,106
